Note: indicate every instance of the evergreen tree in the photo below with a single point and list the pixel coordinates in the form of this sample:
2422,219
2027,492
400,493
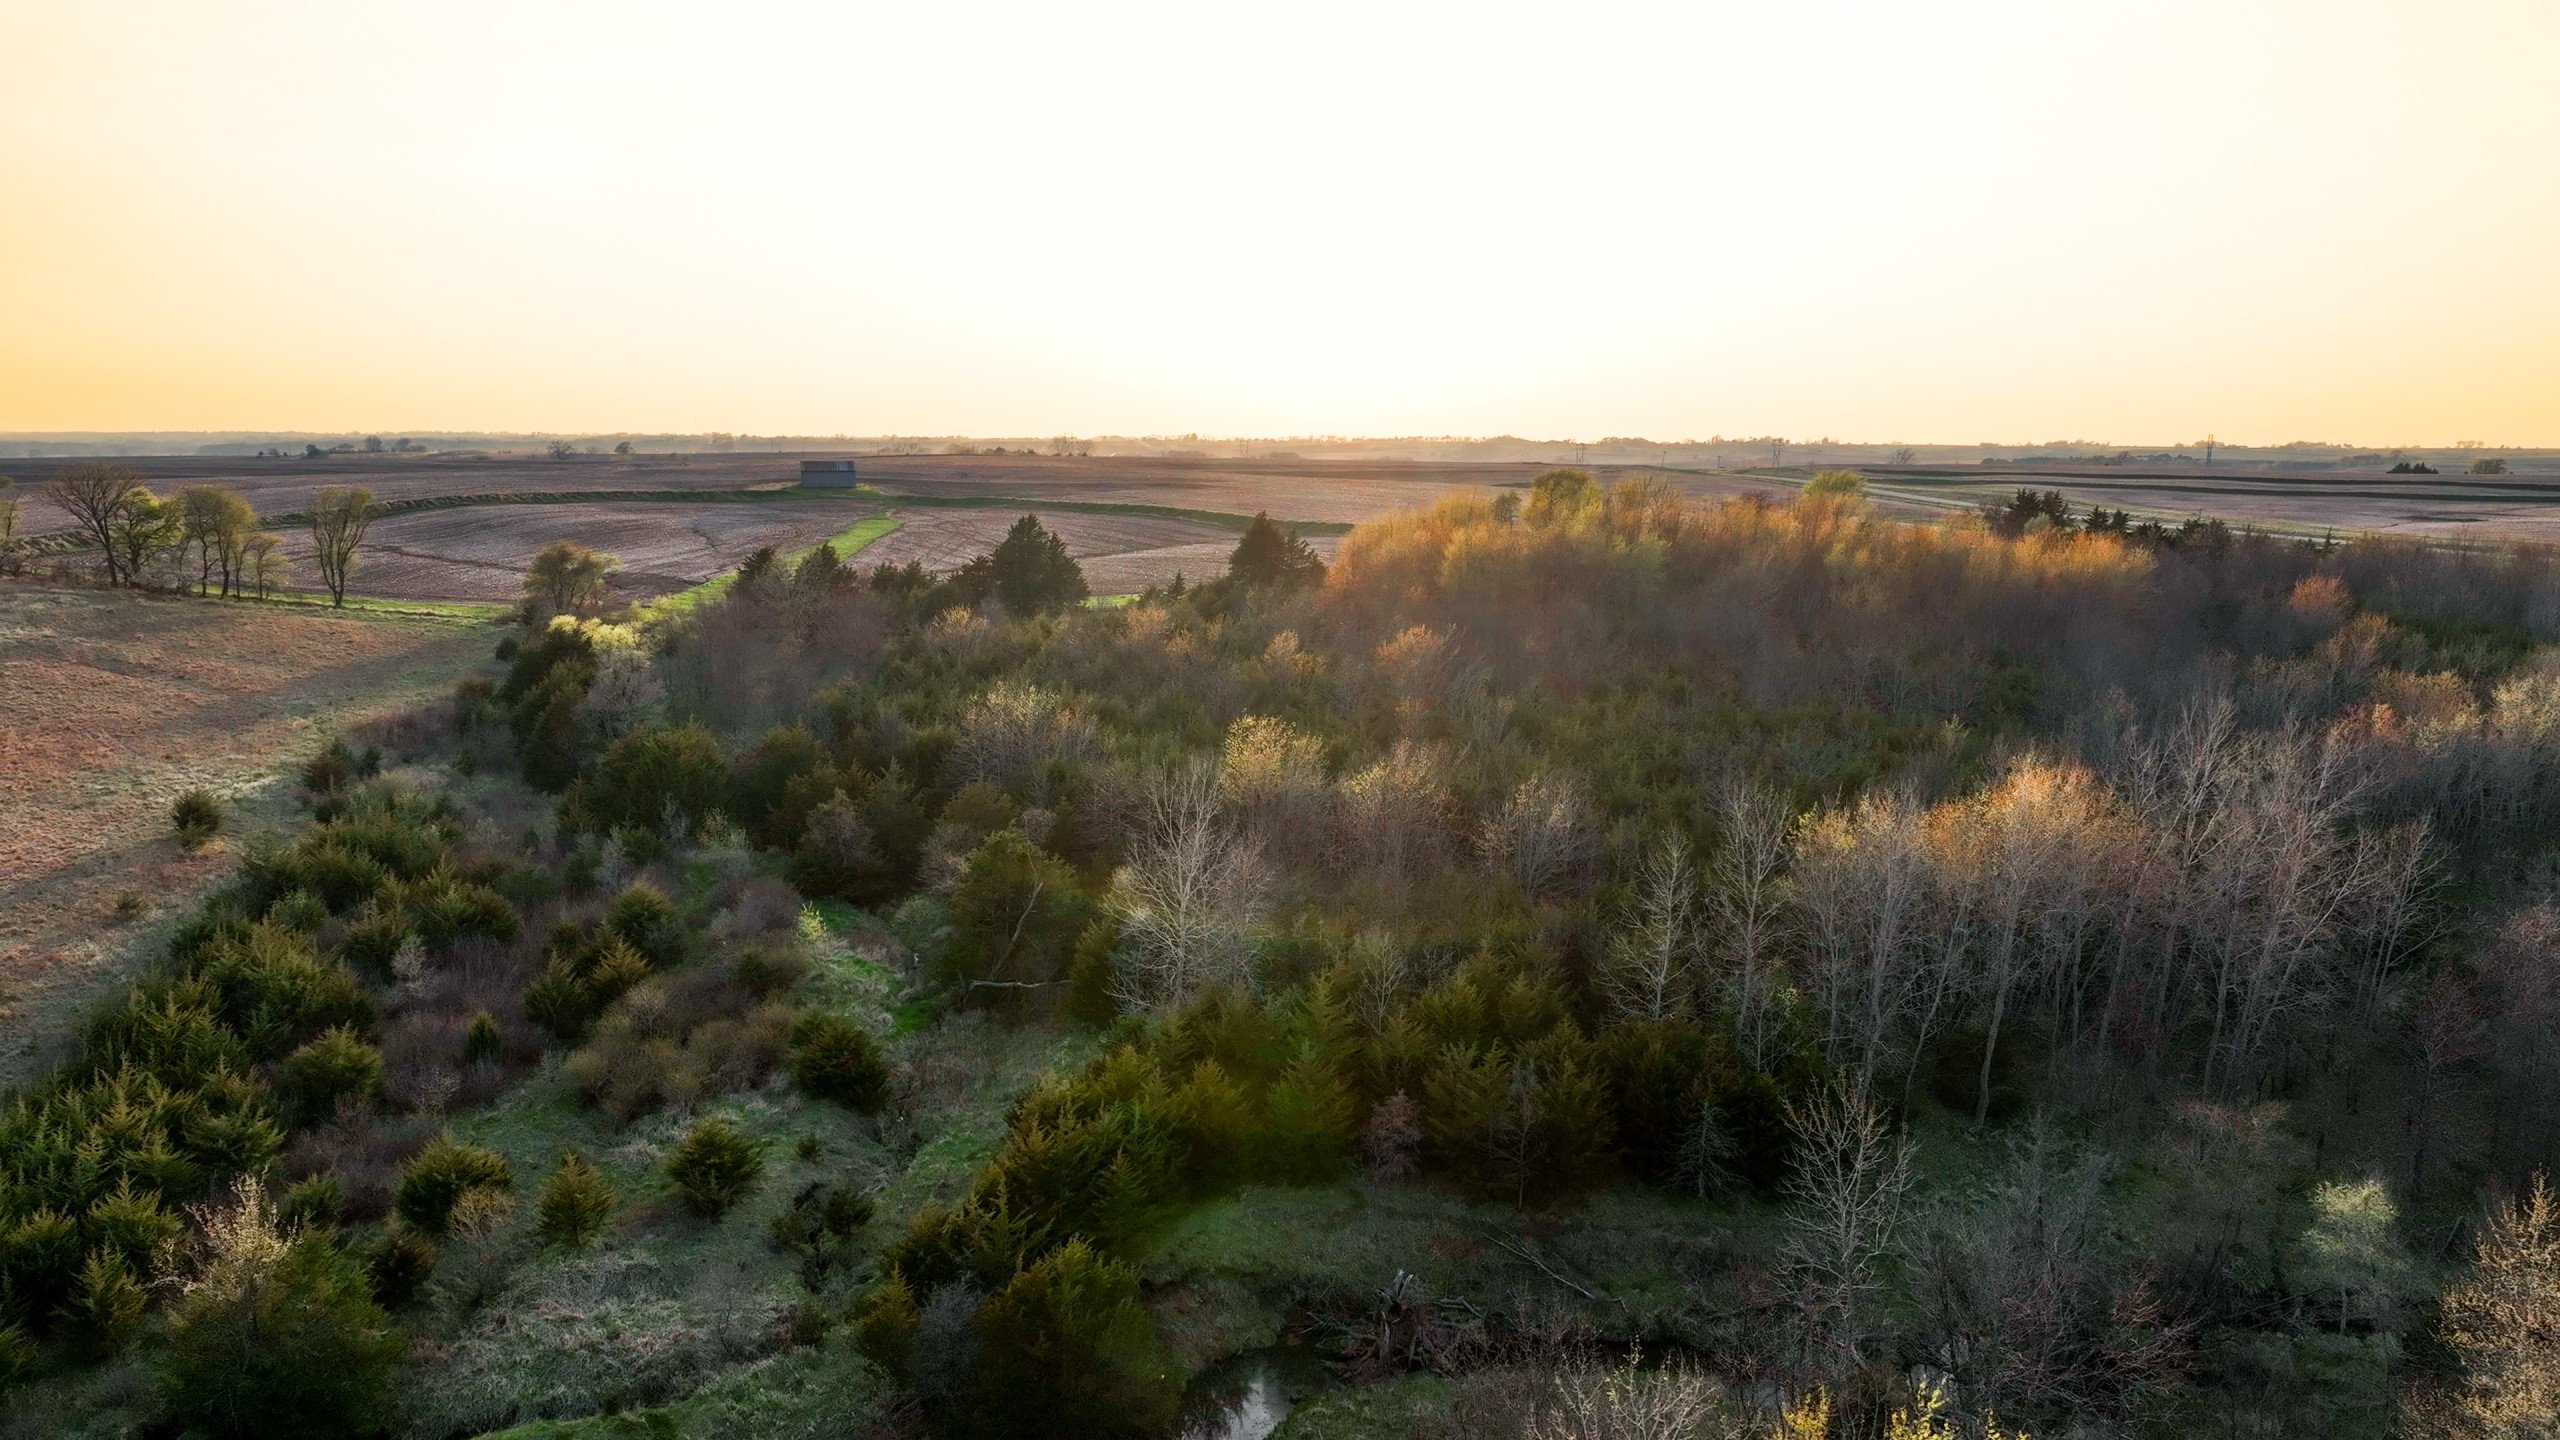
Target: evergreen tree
1270,555
1032,573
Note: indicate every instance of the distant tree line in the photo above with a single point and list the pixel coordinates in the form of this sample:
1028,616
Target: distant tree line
202,534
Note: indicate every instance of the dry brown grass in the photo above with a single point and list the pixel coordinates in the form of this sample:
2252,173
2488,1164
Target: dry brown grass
110,705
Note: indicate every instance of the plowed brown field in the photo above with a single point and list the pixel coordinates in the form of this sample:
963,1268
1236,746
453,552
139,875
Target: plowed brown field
480,552
1121,554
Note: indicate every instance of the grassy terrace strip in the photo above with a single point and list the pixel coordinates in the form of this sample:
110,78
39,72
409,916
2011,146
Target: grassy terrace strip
463,610
1223,519
848,544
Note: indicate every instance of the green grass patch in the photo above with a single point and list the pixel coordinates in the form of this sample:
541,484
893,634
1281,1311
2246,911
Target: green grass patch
827,1389
475,611
1222,519
1384,1411
848,544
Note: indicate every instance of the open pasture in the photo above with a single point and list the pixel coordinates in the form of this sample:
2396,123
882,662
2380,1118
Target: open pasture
112,704
480,552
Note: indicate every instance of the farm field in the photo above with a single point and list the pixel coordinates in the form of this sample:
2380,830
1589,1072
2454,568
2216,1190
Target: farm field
1121,554
479,520
280,487
112,704
2459,507
480,552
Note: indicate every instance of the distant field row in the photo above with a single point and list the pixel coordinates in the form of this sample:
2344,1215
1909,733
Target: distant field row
461,532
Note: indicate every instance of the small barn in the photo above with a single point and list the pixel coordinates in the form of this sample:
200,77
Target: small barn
827,472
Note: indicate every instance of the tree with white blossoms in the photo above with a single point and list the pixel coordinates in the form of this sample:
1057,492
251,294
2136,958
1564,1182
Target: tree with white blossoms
627,688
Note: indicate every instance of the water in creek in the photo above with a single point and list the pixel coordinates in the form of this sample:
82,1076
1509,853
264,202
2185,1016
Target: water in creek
1246,1396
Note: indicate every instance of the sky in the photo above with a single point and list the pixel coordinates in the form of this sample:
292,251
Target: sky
1950,222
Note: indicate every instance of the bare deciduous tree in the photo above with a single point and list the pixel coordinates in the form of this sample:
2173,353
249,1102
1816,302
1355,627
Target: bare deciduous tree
1748,898
1671,1402
1845,1206
10,541
262,563
340,515
218,523
1190,896
1863,878
1392,813
1647,974
1542,836
1016,734
95,494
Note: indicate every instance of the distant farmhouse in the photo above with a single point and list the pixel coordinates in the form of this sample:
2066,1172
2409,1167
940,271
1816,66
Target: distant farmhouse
827,472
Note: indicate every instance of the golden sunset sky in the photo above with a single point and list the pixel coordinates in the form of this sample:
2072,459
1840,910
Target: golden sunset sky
1950,222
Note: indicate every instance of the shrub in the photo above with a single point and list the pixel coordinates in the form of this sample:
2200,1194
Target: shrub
648,922
399,1266
18,1356
131,1225
277,1337
560,1003
576,1204
653,777
434,1182
763,773
1069,1351
316,1202
822,1229
885,1324
833,1059
335,1068
765,975
106,1305
39,1261
483,1043
299,911
1093,974
373,940
458,912
837,854
330,771
196,816
130,906
1015,917
715,1168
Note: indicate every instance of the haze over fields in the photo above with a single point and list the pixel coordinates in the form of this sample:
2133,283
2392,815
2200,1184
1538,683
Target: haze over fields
2280,220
